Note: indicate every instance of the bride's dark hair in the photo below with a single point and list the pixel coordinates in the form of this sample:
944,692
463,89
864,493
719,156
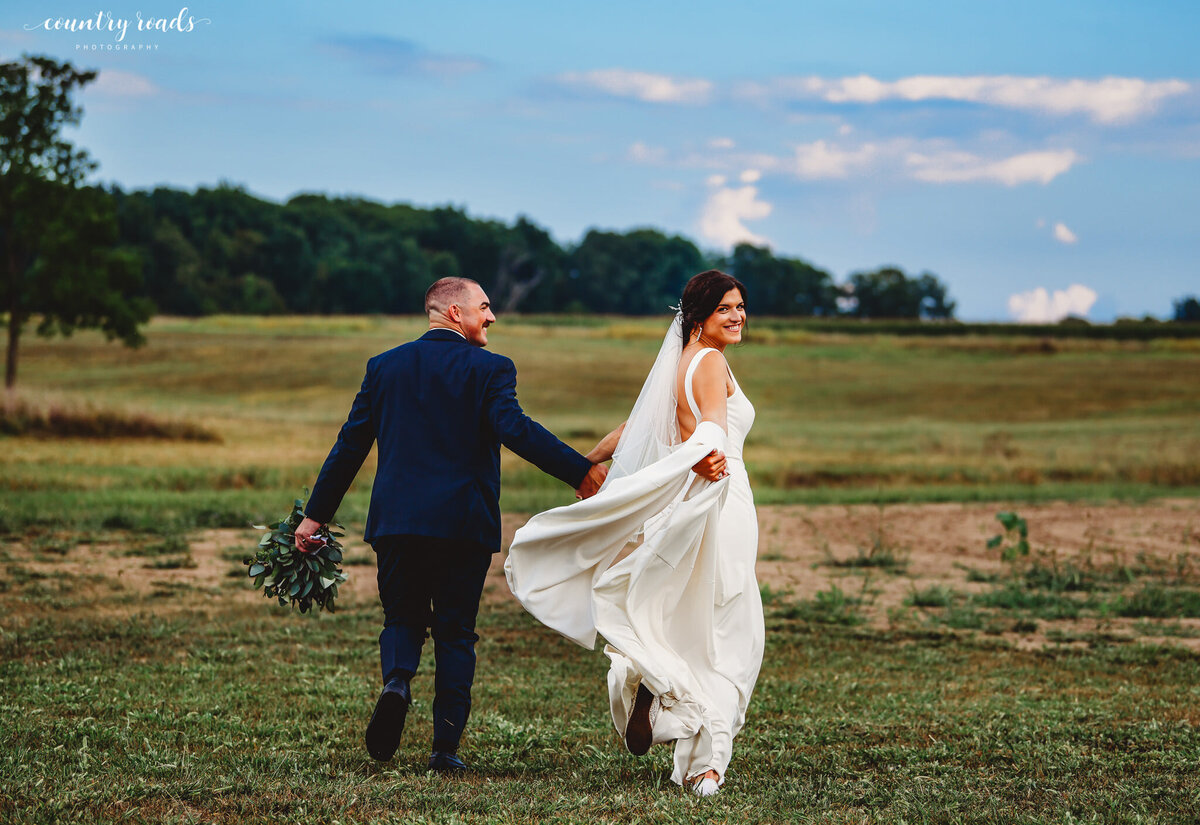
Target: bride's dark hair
701,297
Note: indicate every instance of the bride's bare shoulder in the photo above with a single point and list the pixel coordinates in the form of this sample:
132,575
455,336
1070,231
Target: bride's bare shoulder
710,367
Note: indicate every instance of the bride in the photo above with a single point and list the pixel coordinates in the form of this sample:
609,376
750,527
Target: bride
681,614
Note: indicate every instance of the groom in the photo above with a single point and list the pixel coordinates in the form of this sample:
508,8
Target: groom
439,408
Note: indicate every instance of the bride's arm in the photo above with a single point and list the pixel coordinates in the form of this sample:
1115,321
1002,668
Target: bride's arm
604,450
710,391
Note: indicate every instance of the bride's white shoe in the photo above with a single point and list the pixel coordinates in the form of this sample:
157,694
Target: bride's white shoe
706,787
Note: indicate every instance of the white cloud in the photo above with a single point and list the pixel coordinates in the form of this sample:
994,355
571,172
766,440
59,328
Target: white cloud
824,160
1064,235
964,167
1107,100
1039,306
724,211
930,161
124,84
644,86
644,153
721,143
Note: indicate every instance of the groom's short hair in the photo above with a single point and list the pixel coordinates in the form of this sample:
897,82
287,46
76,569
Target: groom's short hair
446,291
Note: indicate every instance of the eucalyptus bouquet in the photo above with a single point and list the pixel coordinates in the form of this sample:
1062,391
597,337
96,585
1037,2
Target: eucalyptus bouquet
297,575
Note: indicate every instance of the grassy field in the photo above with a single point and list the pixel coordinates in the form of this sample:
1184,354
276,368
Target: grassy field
840,419
206,706
140,680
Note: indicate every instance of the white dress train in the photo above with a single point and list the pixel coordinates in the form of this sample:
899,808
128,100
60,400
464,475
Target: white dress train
682,613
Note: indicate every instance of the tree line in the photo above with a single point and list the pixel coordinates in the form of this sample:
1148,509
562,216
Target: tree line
74,255
225,250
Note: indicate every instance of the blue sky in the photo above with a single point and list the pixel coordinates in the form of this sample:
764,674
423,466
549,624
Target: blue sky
1041,158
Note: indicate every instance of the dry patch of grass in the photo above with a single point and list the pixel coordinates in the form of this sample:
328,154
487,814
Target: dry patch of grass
57,419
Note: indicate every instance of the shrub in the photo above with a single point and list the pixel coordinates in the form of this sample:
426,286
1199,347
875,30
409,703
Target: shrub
18,416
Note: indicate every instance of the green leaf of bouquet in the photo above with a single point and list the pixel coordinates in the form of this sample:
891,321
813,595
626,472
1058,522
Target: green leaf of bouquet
256,570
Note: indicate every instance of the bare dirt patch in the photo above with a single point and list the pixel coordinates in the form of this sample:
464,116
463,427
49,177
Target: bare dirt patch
803,550
941,544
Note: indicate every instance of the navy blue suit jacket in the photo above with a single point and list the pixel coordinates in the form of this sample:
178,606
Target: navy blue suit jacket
439,408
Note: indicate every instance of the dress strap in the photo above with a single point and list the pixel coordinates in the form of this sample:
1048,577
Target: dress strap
687,381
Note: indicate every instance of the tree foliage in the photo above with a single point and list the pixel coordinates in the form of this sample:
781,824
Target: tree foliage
637,273
223,250
783,285
1187,309
61,258
889,293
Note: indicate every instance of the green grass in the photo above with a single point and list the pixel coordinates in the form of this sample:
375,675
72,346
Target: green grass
827,607
933,596
1159,602
181,704
841,419
1047,588
879,555
255,715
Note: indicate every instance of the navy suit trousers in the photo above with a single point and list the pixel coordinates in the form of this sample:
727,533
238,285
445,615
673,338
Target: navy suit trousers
435,584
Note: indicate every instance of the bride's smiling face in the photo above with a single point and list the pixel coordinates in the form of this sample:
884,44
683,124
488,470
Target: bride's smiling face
724,326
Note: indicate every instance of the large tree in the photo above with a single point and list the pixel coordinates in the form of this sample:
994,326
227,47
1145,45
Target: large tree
57,237
782,286
889,293
1186,309
640,272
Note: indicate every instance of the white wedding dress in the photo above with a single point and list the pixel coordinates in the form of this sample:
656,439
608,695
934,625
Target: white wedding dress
682,613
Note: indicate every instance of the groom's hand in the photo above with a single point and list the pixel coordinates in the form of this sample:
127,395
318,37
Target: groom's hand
305,531
711,467
592,481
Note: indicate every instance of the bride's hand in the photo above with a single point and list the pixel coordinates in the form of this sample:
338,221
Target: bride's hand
711,467
591,482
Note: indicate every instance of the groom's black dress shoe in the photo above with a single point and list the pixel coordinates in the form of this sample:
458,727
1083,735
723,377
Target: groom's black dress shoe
445,762
387,722
638,732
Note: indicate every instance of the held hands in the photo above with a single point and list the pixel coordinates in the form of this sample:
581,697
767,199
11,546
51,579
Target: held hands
711,467
592,481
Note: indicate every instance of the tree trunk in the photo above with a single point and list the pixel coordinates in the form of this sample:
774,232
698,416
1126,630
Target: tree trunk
14,319
10,360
